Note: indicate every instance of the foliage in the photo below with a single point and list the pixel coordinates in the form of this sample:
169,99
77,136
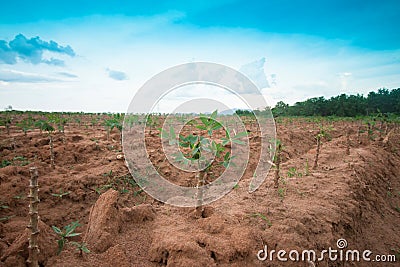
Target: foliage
67,232
26,124
383,101
16,161
293,172
263,217
81,247
61,193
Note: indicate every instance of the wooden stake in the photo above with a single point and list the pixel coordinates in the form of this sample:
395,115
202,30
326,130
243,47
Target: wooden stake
34,218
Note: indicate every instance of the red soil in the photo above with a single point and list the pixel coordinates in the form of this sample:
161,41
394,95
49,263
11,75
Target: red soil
355,197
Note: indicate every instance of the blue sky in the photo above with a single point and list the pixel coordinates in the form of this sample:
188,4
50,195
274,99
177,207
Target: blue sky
94,55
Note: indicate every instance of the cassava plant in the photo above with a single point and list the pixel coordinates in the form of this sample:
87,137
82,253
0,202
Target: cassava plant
195,146
26,125
6,121
81,247
47,127
65,234
114,122
322,133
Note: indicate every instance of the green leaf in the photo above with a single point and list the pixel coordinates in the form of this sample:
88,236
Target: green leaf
201,127
214,115
204,120
73,234
239,142
240,135
225,141
226,157
172,132
216,127
85,249
57,230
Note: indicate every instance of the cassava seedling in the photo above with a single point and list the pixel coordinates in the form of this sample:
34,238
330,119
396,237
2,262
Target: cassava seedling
292,172
64,235
45,126
282,192
263,217
61,193
26,125
114,122
81,247
6,218
196,146
6,121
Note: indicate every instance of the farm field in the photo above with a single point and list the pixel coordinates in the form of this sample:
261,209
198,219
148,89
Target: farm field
353,193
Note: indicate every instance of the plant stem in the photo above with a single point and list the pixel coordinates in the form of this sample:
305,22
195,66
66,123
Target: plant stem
34,218
317,153
348,142
200,182
51,151
278,164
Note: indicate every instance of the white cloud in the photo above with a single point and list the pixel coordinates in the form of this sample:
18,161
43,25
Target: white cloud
13,76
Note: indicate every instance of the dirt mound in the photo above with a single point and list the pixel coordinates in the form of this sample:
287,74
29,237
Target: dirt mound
104,222
17,253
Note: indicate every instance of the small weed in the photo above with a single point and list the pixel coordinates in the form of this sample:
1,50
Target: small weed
236,186
20,196
136,193
263,217
102,188
5,163
16,161
282,192
6,218
292,172
81,247
397,208
61,193
389,194
108,174
3,206
67,232
124,191
20,161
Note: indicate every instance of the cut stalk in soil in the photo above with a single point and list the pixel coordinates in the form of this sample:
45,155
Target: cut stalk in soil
34,218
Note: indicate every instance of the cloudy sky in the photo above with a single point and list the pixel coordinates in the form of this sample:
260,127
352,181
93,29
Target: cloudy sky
94,55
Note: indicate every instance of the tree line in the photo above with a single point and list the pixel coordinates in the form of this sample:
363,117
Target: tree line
384,101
